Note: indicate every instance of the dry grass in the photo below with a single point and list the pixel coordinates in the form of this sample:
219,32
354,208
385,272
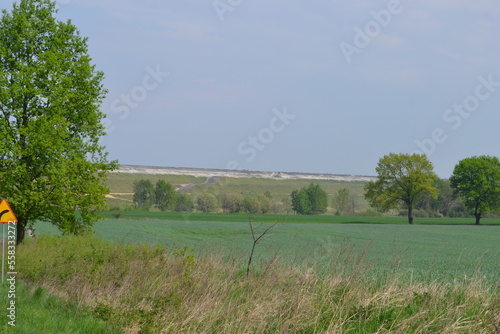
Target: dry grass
150,290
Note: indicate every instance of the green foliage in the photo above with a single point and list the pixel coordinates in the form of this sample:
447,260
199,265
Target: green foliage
257,204
122,183
476,181
144,194
403,179
300,202
251,205
445,204
165,197
52,165
184,203
268,194
266,204
232,203
206,203
311,200
341,201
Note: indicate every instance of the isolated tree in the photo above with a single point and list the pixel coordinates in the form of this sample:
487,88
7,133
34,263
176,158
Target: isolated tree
403,179
312,200
51,163
341,201
256,238
165,196
144,194
476,181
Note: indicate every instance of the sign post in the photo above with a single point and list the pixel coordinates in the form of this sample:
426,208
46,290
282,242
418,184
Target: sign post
6,217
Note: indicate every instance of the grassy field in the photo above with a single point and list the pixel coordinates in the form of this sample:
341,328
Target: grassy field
453,249
39,312
152,272
145,289
271,218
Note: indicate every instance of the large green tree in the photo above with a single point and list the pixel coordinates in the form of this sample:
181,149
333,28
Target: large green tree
312,200
403,179
144,194
51,162
476,181
165,195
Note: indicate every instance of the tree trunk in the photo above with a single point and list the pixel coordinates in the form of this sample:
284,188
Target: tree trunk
477,213
410,215
20,230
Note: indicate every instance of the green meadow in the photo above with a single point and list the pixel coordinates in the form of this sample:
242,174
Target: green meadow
37,311
170,276
155,272
433,249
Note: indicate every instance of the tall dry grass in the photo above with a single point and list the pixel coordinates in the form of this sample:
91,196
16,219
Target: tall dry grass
145,289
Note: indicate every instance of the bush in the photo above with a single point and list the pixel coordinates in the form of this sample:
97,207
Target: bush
251,205
232,203
116,211
184,203
206,203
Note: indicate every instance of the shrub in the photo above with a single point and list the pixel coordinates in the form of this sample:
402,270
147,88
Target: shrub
206,203
184,203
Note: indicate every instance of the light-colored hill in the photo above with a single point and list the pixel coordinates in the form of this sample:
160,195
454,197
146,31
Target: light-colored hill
206,172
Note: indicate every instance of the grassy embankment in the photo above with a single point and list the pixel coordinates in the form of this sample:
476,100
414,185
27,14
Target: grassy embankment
39,312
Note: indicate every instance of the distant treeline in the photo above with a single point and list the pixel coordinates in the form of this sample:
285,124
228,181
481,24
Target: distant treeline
311,200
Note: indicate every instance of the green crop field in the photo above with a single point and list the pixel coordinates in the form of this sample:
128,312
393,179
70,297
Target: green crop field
150,272
451,250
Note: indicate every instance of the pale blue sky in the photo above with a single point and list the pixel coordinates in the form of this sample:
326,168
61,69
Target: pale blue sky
294,85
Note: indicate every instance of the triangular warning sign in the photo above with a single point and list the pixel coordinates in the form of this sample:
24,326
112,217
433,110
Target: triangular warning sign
6,213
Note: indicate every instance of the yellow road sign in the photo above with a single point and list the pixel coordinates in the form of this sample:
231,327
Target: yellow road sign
6,213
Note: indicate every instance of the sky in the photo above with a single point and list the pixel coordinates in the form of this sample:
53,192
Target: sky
305,86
